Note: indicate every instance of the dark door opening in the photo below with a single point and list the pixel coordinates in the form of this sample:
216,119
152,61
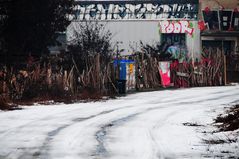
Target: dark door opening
176,46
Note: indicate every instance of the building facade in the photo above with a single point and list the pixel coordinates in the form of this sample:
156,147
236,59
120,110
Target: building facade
219,21
221,24
191,24
174,22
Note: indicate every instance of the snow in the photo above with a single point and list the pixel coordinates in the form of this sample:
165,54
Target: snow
146,125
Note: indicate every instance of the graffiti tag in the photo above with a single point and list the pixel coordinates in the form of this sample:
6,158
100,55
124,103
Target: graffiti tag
124,10
175,27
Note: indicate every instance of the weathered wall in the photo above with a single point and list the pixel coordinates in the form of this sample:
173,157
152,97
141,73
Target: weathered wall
131,21
130,33
227,4
194,42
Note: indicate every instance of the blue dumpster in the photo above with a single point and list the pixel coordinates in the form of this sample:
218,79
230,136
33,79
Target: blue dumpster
126,76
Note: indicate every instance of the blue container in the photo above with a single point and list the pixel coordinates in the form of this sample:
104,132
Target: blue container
123,73
122,67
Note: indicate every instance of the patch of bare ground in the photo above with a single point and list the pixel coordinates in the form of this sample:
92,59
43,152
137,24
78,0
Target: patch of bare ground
52,98
191,124
228,121
219,141
223,140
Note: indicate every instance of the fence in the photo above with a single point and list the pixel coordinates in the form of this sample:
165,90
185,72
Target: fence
64,77
207,72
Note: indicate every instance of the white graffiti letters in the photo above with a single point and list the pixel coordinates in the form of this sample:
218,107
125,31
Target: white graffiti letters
177,28
86,10
163,26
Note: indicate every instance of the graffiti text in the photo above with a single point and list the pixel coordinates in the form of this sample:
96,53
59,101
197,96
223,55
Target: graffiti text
127,11
175,27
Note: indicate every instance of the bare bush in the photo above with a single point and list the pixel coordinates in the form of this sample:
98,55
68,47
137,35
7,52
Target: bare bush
230,120
4,103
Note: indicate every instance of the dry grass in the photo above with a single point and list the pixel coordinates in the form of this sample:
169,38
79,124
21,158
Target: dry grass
230,120
5,104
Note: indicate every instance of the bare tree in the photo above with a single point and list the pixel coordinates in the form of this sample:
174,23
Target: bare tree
89,39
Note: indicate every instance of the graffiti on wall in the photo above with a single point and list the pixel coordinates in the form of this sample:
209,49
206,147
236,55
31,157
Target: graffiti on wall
176,27
174,35
126,11
178,52
164,70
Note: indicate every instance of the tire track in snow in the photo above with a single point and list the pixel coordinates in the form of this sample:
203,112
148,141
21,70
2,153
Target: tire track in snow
55,132
50,135
25,125
101,134
43,150
46,145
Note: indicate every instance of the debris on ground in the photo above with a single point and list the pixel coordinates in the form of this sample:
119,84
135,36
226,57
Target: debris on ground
191,124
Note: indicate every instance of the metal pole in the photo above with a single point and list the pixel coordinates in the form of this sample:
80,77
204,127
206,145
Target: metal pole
117,58
225,69
225,64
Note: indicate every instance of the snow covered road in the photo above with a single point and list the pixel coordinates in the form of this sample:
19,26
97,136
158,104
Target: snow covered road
149,125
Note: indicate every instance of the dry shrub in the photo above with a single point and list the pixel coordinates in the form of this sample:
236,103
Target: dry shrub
42,92
229,121
90,93
4,103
